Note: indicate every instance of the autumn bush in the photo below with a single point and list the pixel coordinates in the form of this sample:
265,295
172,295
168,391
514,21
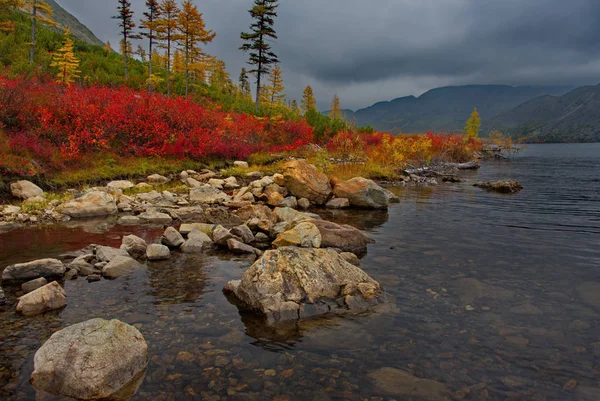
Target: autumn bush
49,125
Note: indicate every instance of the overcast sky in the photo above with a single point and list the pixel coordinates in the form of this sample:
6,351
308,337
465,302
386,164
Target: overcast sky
373,50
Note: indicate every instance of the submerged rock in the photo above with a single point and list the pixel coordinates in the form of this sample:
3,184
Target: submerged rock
362,193
398,383
92,204
291,283
32,270
590,293
303,181
502,186
25,190
93,360
49,297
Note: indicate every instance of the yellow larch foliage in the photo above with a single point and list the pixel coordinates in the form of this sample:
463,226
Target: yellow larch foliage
66,62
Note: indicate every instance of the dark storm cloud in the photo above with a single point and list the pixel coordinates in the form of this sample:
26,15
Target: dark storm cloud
374,50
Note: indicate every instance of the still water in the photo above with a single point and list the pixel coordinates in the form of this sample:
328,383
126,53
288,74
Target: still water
497,297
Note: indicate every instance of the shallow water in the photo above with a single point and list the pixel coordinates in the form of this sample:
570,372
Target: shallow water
497,297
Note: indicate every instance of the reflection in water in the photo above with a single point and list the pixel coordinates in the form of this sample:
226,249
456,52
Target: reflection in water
496,298
361,219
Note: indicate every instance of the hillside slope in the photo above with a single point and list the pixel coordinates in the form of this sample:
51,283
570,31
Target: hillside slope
79,30
446,109
572,117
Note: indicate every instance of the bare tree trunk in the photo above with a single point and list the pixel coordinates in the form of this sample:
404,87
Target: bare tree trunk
187,69
33,26
150,65
169,64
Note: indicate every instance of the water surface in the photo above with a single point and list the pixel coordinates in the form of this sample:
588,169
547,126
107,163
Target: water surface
497,297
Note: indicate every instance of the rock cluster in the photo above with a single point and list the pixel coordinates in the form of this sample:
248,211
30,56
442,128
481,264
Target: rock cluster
502,186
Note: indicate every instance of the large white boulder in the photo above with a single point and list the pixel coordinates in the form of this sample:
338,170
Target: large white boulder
119,266
93,360
32,270
92,204
208,195
25,190
49,297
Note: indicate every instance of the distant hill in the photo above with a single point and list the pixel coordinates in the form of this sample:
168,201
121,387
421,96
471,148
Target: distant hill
572,117
80,31
447,109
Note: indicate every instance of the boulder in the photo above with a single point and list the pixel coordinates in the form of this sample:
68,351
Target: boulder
221,235
398,383
33,285
123,184
208,195
279,179
200,236
303,203
502,186
231,183
172,238
197,242
303,181
343,237
193,183
185,229
119,266
290,283
305,235
338,203
152,216
350,258
241,164
236,246
216,183
134,246
157,252
25,190
49,297
290,202
152,197
244,195
107,253
92,204
93,360
244,233
157,179
258,217
191,213
362,193
32,270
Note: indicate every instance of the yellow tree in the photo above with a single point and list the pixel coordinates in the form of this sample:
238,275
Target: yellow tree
335,110
165,28
40,11
148,24
276,86
6,7
108,47
178,64
308,100
191,31
473,124
66,62
219,78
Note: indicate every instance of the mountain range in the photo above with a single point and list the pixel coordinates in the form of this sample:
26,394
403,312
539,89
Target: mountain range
79,30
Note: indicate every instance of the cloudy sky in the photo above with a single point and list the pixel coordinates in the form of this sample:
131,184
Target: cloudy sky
374,50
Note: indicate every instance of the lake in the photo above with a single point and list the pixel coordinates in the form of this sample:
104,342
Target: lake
495,297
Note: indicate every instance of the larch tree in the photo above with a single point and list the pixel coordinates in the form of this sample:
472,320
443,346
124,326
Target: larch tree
473,124
191,32
125,18
6,7
66,62
39,11
257,40
244,83
335,109
142,53
308,100
276,87
219,78
166,33
178,63
148,24
108,47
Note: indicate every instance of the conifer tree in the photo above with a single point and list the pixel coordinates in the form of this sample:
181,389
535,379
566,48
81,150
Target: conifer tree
151,15
66,62
219,78
108,47
244,83
166,32
308,100
142,53
276,86
294,107
335,110
191,31
473,124
261,30
178,63
125,17
40,11
6,7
